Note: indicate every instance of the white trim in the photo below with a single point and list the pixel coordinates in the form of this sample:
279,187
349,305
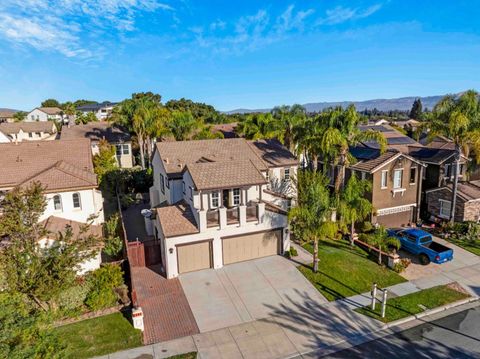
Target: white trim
393,210
386,180
449,206
375,169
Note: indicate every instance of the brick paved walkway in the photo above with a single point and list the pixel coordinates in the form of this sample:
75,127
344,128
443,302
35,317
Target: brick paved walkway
167,314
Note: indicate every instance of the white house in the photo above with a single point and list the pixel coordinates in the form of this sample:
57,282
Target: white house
96,131
214,202
45,114
65,170
27,131
101,110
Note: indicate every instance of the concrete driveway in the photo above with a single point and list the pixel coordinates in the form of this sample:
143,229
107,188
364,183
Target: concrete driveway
246,291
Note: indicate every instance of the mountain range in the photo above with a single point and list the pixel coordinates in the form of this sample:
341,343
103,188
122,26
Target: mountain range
401,104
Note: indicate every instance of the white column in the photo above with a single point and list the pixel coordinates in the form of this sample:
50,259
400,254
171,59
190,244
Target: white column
243,215
223,217
261,212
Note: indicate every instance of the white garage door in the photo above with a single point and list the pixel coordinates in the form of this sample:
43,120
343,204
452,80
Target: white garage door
195,256
251,246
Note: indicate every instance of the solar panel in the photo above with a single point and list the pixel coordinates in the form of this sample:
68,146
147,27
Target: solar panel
378,128
403,140
363,153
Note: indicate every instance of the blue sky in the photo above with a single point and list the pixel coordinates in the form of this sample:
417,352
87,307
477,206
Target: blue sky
232,54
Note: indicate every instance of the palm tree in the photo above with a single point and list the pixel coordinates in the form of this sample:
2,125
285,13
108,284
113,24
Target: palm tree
287,119
459,120
353,206
311,218
259,126
382,241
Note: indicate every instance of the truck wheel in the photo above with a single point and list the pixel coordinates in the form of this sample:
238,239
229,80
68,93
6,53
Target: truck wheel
424,260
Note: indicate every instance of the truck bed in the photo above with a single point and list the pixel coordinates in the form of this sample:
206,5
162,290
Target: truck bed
436,247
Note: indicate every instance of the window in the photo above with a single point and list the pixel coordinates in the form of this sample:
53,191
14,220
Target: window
57,202
162,183
445,208
236,196
191,193
183,187
119,149
448,170
286,174
384,179
30,134
413,175
32,117
76,200
397,179
363,176
126,149
167,182
38,134
214,199
460,172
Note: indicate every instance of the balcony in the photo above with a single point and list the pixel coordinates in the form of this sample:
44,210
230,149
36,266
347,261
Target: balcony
233,215
213,218
252,212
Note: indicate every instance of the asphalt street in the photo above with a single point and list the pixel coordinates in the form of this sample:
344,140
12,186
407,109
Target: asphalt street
455,337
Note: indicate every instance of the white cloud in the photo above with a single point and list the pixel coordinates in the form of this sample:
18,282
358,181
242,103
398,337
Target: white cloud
342,14
65,26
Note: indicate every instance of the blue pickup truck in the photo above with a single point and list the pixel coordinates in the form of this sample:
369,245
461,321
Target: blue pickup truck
421,243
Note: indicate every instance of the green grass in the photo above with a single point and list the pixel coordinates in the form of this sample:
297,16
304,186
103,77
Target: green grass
99,336
345,271
191,355
401,307
471,246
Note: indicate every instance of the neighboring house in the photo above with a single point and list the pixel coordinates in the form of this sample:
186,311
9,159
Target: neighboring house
7,115
211,206
65,170
396,184
45,114
97,131
467,207
228,130
27,131
101,110
395,139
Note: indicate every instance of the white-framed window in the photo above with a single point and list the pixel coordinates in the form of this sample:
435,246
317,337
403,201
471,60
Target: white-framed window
214,200
445,208
363,176
384,183
57,202
76,200
236,196
286,174
118,150
126,149
413,175
162,183
397,178
30,134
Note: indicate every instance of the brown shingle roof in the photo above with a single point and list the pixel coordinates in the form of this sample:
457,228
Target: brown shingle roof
216,175
369,159
177,220
55,225
96,131
50,110
176,155
10,128
273,153
7,113
58,165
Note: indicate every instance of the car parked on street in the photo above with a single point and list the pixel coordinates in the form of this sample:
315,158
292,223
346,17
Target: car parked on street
421,243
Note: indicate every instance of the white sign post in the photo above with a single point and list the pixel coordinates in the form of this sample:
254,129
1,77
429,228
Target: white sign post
137,317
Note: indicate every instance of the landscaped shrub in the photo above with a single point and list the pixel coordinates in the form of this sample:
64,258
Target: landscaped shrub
113,244
73,298
366,227
293,252
401,265
103,282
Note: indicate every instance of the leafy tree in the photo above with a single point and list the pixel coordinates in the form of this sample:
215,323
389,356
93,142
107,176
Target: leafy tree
103,283
84,118
79,103
39,272
113,244
104,161
353,206
51,102
206,133
382,241
459,120
289,118
183,125
200,111
311,218
19,116
259,126
416,112
68,108
25,331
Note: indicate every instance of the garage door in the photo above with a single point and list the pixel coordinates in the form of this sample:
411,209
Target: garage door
395,219
243,248
192,257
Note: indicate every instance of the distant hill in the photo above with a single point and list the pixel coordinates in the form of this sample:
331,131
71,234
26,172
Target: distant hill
2,109
401,104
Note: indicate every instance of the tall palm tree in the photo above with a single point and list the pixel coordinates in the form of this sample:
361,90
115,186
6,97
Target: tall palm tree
353,206
259,126
459,120
287,119
311,218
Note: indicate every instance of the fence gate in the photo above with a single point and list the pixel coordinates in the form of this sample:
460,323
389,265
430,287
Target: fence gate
153,254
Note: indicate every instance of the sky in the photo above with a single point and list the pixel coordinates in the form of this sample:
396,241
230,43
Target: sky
236,54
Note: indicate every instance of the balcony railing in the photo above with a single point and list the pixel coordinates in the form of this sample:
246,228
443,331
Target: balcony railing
252,212
213,218
233,215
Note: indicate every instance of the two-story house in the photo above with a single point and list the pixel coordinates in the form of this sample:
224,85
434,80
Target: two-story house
65,170
115,135
101,110
45,114
27,131
211,202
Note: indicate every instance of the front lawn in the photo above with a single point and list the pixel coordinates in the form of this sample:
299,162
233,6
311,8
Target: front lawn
411,304
99,336
467,244
345,271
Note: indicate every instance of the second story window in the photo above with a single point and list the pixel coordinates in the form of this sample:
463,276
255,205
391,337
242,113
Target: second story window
384,179
162,183
57,202
183,187
286,174
413,175
397,179
118,149
126,149
76,200
236,196
214,199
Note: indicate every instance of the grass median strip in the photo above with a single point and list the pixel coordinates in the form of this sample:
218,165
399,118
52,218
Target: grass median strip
99,336
345,271
415,303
